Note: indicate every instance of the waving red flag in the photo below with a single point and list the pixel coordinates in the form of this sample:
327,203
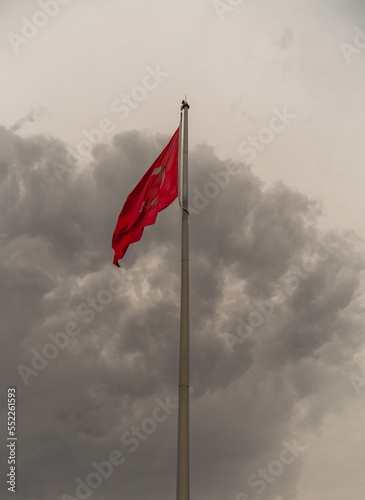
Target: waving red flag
157,189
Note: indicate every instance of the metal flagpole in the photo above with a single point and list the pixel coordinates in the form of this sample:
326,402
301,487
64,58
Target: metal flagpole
182,483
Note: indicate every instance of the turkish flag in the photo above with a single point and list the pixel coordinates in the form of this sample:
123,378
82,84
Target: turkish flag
157,189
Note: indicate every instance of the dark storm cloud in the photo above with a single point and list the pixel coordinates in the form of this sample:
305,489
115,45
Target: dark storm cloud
56,261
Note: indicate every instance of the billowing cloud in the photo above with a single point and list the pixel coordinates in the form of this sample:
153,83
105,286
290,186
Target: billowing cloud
93,350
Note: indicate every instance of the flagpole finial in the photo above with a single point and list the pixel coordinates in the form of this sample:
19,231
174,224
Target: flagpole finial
184,104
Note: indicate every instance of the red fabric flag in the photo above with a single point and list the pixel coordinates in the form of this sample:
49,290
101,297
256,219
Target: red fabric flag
157,189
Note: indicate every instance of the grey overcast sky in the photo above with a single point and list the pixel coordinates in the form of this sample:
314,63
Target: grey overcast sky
91,94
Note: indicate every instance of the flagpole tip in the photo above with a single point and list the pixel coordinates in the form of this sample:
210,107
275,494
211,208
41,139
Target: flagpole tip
184,104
